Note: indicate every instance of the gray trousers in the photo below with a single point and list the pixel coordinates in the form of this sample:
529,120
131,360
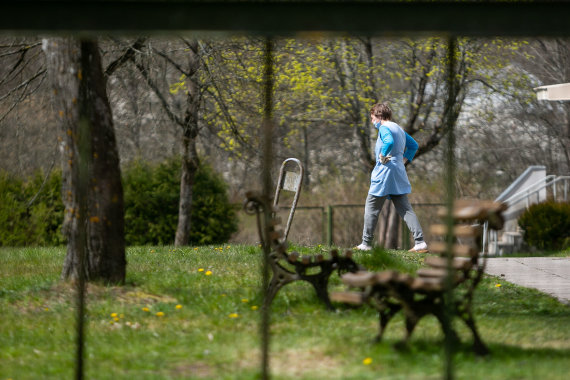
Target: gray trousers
372,211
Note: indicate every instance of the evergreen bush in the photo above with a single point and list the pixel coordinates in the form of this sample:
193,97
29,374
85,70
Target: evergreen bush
152,195
547,225
31,210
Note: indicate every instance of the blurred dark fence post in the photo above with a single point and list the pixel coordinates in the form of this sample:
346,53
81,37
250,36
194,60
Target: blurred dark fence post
450,190
266,164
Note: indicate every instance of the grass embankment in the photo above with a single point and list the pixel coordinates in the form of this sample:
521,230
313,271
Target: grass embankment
194,313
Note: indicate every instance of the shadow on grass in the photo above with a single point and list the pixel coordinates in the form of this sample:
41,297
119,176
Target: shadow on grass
464,350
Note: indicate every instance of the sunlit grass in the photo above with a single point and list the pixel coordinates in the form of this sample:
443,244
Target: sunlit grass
194,312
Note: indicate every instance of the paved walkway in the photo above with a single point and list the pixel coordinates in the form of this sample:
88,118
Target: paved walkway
550,275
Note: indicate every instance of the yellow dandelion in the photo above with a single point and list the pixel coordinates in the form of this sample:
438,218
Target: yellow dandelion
201,270
208,273
228,247
46,309
179,306
116,319
244,300
152,251
145,309
367,361
254,307
223,295
113,315
196,248
160,314
233,315
497,285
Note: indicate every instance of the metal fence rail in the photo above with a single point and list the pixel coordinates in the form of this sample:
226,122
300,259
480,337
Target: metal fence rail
335,224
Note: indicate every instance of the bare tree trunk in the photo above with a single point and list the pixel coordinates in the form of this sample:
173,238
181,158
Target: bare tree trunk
393,222
190,161
63,61
106,232
80,97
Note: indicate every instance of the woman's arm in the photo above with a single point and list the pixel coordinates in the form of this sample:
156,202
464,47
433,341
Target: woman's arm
411,148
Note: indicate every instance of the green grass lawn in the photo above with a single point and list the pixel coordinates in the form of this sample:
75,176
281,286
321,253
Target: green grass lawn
193,313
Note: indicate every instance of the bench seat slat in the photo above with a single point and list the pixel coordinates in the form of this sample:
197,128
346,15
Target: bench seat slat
359,279
428,284
460,263
461,230
457,249
354,298
432,272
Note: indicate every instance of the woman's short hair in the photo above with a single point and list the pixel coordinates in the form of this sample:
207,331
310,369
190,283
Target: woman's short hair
382,111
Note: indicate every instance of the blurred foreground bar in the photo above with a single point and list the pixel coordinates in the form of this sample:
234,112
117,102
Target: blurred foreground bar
477,18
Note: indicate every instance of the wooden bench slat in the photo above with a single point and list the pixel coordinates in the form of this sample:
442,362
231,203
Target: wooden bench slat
473,209
432,272
354,298
457,249
403,278
427,284
275,222
464,213
275,235
385,277
462,263
293,257
461,230
359,279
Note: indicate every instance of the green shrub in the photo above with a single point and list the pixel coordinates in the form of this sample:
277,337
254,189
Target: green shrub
547,225
152,195
31,210
214,219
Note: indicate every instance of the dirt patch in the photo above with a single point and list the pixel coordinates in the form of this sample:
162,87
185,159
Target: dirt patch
66,293
195,370
298,362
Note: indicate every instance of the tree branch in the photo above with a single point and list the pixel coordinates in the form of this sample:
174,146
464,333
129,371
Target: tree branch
127,55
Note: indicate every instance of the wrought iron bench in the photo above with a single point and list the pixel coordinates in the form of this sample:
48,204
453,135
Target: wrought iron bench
424,294
289,267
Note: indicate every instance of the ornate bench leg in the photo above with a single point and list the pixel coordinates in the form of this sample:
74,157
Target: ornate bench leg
274,286
478,346
385,315
321,288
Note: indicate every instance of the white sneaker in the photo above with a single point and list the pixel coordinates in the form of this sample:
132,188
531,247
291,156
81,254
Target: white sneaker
420,247
363,247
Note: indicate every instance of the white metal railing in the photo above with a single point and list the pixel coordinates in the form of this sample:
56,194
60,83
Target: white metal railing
548,181
525,195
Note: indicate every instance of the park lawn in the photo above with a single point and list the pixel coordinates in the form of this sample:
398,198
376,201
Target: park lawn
193,313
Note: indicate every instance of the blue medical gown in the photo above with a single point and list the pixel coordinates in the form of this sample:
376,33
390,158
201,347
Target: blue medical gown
391,178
